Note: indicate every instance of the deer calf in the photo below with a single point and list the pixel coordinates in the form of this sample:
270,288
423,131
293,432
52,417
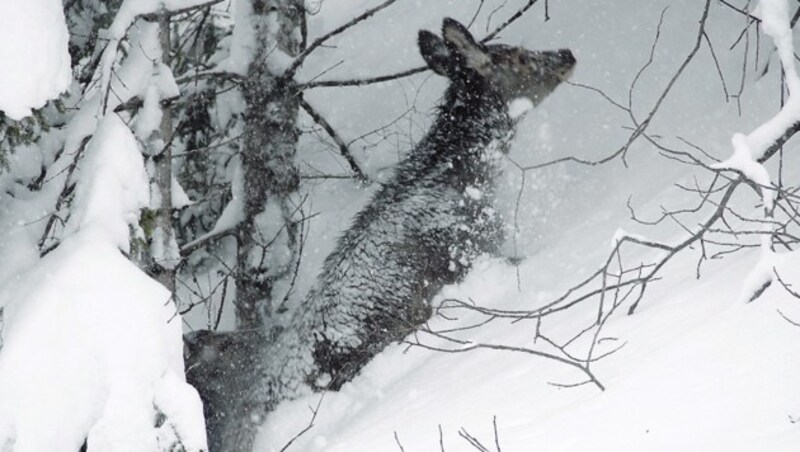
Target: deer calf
422,229
425,227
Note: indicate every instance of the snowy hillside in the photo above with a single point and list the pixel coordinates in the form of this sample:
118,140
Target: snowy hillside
699,369
698,372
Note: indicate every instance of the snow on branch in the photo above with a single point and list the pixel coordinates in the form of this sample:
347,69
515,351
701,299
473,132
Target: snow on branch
108,384
750,150
129,12
34,57
115,187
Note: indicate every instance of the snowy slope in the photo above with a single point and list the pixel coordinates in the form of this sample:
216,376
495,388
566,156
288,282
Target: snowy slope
699,369
699,372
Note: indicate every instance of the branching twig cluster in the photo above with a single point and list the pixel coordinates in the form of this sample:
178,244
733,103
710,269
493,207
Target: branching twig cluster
714,226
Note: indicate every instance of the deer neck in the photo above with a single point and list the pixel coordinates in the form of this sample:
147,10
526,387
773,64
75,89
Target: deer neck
472,118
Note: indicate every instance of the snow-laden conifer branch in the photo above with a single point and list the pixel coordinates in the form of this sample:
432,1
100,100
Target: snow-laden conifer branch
63,196
129,12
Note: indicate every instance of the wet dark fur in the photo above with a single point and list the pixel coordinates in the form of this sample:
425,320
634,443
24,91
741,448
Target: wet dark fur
422,230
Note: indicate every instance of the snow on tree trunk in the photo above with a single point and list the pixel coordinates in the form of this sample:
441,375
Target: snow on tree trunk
265,237
266,38
155,129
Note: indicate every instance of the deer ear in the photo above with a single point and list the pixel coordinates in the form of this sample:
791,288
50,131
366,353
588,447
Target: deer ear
461,42
435,52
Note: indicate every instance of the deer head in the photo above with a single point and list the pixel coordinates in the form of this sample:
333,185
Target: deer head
510,72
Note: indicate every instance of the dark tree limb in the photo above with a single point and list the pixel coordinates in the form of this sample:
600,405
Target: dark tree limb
343,149
364,81
514,17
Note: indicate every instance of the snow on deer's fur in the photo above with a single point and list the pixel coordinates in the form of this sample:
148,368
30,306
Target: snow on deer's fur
422,229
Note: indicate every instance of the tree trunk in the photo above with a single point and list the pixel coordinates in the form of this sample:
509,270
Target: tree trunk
164,271
270,175
224,366
161,257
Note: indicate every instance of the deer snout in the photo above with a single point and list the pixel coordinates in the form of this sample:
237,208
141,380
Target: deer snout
567,63
566,56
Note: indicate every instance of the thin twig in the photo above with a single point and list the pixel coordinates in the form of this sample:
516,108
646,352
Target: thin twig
322,39
408,72
514,17
308,427
399,444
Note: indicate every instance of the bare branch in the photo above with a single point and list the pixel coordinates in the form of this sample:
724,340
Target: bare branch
204,240
408,72
321,40
640,126
343,149
399,444
314,411
496,436
509,21
793,322
466,346
212,74
472,440
362,82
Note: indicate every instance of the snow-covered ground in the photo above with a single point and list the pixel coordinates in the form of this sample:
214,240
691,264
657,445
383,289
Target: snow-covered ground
699,372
